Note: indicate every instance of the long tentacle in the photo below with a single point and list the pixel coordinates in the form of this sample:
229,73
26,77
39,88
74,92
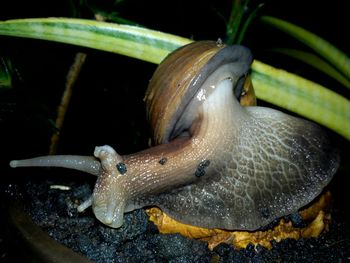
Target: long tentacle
86,164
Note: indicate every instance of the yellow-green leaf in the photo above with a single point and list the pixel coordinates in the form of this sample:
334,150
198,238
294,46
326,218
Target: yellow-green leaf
136,42
302,96
315,62
336,57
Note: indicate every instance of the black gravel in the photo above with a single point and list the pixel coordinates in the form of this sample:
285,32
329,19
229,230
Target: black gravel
138,240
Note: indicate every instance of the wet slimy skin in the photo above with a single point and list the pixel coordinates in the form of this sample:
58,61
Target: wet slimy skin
216,164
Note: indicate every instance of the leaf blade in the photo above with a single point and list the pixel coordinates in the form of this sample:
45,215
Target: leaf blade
315,62
145,44
335,56
302,96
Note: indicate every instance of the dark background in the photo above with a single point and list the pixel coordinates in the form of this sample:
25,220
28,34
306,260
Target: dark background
107,106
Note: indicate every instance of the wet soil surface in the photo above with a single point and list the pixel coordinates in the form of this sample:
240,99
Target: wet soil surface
139,240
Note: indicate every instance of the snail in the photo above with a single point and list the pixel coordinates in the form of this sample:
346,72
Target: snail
216,164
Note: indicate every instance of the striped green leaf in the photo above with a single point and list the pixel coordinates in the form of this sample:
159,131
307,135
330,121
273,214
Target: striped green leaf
302,96
275,86
315,62
336,57
136,42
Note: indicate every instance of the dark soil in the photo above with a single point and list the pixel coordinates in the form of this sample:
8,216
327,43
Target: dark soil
139,240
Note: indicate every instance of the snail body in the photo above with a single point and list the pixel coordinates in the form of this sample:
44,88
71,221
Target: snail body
216,164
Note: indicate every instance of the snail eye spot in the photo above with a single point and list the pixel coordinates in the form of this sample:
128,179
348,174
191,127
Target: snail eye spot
200,171
121,167
163,160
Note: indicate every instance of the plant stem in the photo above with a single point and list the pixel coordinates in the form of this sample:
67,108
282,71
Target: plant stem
237,11
72,76
247,23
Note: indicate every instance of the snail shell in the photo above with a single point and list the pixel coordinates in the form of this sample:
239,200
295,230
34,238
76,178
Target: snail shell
181,76
216,164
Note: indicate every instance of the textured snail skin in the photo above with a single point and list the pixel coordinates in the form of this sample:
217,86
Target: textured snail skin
217,164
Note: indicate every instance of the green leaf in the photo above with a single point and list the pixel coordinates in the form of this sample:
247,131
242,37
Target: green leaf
237,11
136,42
302,96
275,86
336,57
247,23
6,72
315,62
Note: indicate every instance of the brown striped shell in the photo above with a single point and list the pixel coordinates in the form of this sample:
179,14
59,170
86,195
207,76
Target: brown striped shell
168,93
173,85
